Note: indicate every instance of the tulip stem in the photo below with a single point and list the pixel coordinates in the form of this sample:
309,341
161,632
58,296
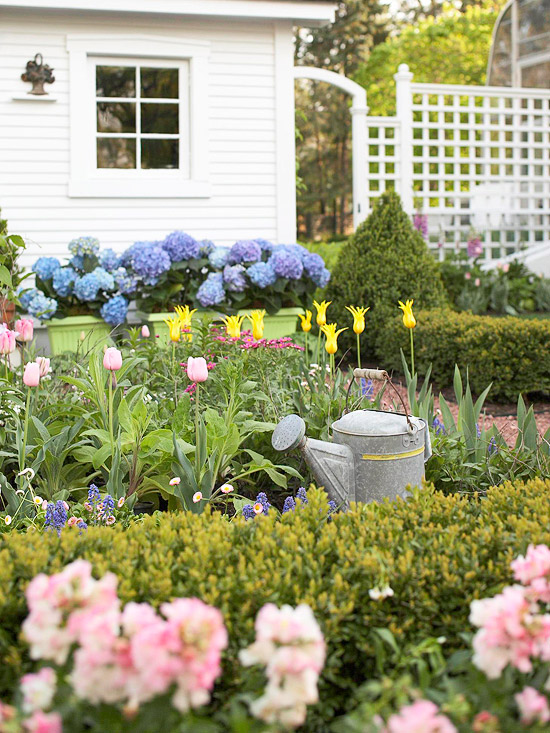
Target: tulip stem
319,346
111,417
173,356
358,352
332,367
307,352
25,431
412,352
196,416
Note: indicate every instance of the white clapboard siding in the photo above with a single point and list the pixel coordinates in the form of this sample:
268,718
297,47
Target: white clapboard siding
34,137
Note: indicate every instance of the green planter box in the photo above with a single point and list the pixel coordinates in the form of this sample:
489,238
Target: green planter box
283,323
65,333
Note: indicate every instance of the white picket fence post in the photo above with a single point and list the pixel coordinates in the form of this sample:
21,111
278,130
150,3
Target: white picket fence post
403,80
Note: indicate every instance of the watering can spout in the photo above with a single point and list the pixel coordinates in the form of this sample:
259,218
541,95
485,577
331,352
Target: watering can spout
332,465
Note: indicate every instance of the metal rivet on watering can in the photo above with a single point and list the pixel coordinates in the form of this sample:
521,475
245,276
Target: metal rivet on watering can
374,455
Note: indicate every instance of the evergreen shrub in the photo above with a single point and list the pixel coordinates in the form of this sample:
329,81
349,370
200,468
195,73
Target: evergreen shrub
511,353
385,261
437,553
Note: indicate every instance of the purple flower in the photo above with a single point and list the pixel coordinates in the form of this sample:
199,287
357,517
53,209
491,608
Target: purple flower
114,310
420,223
289,505
302,495
93,495
181,246
56,516
248,511
262,499
474,247
149,261
438,427
322,279
286,263
313,264
244,250
367,388
109,260
234,279
261,274
211,292
265,245
492,447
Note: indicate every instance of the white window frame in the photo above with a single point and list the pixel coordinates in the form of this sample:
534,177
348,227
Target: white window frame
86,180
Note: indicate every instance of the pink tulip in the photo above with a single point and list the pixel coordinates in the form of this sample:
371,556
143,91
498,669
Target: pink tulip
112,359
31,375
468,275
505,267
25,328
145,333
477,282
7,340
197,369
44,365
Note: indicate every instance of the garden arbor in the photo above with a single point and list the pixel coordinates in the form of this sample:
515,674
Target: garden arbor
358,112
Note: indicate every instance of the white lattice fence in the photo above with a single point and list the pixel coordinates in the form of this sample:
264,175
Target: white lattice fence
472,159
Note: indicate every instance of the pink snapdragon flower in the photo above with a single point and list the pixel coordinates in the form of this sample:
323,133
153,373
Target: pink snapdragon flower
38,690
289,643
533,707
422,716
24,328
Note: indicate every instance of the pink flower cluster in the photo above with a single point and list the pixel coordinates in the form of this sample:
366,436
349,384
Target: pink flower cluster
290,644
127,656
533,707
422,716
513,628
247,341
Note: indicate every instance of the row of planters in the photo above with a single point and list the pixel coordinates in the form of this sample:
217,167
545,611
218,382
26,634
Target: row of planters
93,290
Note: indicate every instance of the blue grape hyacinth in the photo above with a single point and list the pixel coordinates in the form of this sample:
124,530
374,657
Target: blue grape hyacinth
56,516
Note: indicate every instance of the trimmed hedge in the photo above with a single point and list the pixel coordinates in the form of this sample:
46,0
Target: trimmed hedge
437,552
512,353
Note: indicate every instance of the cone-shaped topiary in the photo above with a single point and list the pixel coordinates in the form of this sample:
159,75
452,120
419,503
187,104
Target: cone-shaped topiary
386,260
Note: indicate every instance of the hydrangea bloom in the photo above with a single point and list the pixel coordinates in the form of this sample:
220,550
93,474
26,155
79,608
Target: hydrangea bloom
234,279
286,263
109,260
244,250
84,246
26,297
265,245
41,307
321,279
114,310
422,716
45,267
125,282
86,287
77,262
63,281
313,264
206,247
262,274
105,279
181,246
211,292
218,258
150,261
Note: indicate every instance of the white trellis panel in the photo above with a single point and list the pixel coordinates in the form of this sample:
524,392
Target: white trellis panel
476,159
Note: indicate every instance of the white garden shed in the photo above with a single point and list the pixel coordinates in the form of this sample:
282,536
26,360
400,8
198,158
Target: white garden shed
164,114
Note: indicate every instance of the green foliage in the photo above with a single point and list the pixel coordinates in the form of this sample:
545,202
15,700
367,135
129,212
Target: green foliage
437,552
511,352
452,48
385,261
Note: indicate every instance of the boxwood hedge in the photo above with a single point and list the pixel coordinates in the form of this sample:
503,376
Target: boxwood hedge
511,353
437,552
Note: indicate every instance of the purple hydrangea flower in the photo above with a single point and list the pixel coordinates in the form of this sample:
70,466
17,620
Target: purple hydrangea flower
150,261
322,279
114,310
261,274
218,257
87,287
56,516
265,246
286,263
109,260
244,250
474,247
125,282
211,292
63,280
206,247
234,279
105,279
313,264
181,246
45,267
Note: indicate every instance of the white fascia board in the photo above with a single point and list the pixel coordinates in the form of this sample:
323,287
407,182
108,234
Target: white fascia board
303,12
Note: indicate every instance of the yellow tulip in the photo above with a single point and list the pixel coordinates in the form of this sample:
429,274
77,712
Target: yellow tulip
256,319
185,316
306,321
409,320
233,325
174,328
322,311
331,334
358,318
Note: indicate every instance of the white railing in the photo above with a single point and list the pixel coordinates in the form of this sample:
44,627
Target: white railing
473,160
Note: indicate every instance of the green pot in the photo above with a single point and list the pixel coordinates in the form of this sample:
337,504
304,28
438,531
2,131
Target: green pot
282,323
65,333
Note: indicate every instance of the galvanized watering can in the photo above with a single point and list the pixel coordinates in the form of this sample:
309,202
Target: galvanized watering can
374,454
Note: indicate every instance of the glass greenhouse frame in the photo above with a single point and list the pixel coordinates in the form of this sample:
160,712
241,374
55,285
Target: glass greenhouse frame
520,51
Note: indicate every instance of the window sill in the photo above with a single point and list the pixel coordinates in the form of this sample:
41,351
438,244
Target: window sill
33,98
145,189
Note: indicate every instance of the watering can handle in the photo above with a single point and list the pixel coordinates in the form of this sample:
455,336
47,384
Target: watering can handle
382,375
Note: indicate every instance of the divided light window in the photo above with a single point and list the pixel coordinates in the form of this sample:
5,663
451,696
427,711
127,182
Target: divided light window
139,115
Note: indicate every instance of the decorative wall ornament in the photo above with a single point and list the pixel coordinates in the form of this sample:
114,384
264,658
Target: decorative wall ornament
38,73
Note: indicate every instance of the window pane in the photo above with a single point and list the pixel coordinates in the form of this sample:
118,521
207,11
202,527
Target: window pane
537,75
160,153
116,117
115,81
160,118
159,83
116,152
